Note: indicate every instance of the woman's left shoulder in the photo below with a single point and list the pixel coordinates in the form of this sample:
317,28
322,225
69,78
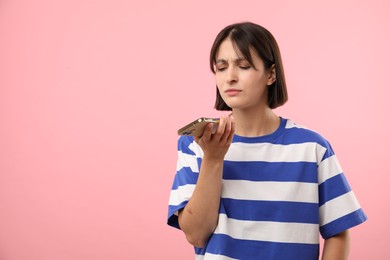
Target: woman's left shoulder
305,133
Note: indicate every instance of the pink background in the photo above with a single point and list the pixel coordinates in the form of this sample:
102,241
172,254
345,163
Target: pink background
92,93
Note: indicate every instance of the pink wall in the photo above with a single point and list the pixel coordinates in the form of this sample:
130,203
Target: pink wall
92,93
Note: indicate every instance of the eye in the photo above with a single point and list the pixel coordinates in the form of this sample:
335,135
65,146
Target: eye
221,68
245,67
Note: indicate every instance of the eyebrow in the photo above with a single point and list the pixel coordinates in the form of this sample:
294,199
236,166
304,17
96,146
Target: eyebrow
225,61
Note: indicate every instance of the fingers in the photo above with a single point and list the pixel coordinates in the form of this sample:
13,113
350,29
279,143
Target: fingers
225,129
228,129
220,130
207,132
216,145
206,136
231,134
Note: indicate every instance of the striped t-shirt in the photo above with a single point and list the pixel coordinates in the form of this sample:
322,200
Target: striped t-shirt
279,192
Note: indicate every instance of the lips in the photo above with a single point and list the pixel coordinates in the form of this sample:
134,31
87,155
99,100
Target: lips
232,92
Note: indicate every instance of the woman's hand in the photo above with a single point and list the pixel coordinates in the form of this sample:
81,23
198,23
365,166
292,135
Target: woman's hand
215,145
199,218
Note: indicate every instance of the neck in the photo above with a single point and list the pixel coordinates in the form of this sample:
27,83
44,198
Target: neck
259,122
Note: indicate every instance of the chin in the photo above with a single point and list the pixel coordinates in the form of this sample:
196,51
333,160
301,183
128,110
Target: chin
234,104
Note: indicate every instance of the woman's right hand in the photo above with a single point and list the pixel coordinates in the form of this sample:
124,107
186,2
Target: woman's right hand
215,145
199,218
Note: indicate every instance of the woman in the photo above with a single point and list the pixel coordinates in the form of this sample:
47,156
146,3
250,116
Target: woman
260,186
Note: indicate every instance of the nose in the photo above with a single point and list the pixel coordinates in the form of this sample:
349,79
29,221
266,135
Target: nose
232,76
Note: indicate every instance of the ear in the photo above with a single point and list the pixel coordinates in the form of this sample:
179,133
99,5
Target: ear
271,75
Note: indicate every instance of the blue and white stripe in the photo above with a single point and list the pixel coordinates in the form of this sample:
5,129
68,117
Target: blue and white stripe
279,192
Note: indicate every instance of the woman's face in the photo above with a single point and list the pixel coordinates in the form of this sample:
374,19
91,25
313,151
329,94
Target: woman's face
241,85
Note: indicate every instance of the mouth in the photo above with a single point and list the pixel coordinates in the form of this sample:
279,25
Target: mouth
232,92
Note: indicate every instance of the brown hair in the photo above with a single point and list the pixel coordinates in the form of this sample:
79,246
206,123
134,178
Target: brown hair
245,36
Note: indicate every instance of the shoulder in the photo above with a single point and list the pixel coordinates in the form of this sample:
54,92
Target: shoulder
303,134
299,134
185,140
186,144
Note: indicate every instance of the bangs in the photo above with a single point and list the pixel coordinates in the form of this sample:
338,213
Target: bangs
242,46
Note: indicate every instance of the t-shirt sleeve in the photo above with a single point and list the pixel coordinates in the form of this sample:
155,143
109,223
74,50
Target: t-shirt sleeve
339,209
187,172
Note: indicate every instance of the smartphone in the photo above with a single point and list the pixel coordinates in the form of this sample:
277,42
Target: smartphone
196,127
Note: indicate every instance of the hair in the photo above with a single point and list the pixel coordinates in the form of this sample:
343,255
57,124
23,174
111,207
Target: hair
246,36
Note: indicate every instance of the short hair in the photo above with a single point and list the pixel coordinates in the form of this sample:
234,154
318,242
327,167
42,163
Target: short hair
245,36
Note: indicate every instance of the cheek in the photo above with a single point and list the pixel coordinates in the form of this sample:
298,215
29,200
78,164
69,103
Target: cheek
218,82
257,80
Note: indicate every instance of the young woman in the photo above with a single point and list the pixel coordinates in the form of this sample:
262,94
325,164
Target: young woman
260,186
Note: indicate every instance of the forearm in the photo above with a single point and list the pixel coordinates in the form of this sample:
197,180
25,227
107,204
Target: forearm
337,247
200,216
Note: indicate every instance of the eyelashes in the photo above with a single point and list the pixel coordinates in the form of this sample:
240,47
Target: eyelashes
241,67
221,69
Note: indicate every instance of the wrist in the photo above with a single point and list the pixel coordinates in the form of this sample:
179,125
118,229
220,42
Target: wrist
215,160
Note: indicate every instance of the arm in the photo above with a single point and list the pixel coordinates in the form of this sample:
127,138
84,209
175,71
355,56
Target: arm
200,216
337,247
